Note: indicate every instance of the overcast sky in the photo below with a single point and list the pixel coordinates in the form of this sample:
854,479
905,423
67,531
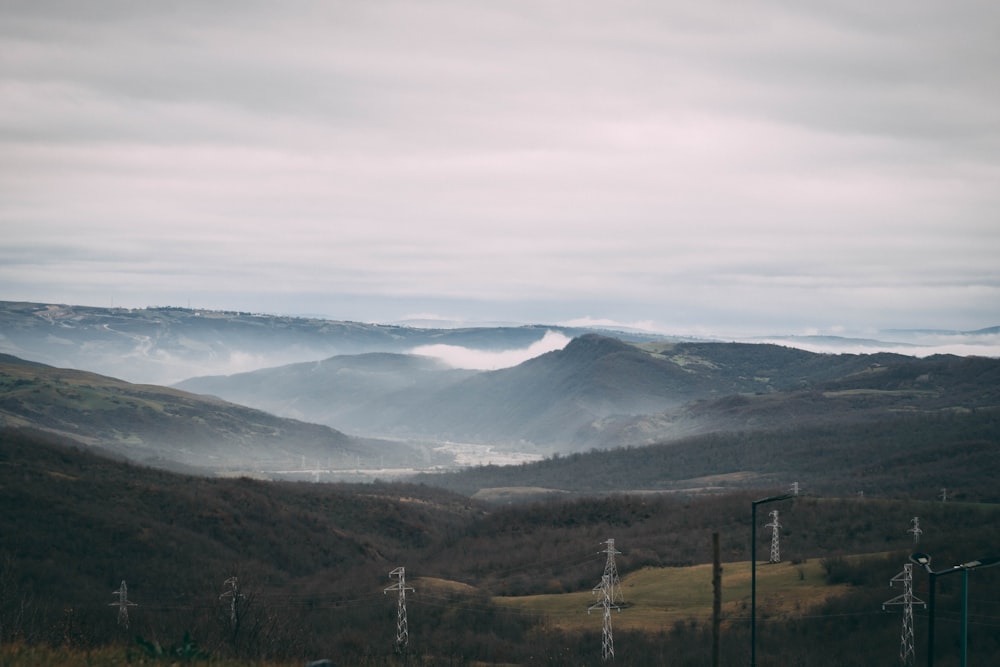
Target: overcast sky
749,167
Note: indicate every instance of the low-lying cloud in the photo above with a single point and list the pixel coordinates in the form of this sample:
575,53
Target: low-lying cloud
490,360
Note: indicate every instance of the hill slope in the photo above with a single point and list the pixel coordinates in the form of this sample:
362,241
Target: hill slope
312,561
168,426
355,393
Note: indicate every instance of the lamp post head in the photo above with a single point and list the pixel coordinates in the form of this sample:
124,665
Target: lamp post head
980,562
921,559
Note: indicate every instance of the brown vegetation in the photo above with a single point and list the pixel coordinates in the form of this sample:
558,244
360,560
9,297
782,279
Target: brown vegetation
313,561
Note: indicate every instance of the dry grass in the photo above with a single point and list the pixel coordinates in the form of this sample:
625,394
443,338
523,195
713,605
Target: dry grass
657,598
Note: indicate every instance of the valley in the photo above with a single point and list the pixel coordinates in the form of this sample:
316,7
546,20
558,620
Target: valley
311,481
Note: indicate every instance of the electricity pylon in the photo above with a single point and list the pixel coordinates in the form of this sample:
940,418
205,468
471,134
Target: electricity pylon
611,572
916,529
775,548
402,632
907,599
123,604
611,595
234,596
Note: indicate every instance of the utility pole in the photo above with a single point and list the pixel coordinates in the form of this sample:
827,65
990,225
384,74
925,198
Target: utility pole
907,600
716,599
402,632
775,548
611,595
123,604
915,530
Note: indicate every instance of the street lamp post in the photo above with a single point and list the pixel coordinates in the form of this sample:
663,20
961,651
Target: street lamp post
753,570
924,561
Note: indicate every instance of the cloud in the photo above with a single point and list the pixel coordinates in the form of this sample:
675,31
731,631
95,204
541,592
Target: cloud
771,164
463,357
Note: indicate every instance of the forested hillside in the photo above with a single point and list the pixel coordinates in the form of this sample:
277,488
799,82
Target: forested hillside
907,454
313,560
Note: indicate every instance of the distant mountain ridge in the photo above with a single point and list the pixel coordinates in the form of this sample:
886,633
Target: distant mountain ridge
163,345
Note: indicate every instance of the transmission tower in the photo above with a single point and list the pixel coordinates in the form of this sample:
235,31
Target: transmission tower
402,633
123,604
234,596
795,488
775,548
611,572
611,595
944,495
916,529
907,599
605,605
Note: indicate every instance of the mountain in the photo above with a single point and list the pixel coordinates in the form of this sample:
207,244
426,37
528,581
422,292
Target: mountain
544,400
603,392
172,428
162,345
357,393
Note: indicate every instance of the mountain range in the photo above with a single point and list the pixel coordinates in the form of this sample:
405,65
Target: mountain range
602,392
743,411
163,345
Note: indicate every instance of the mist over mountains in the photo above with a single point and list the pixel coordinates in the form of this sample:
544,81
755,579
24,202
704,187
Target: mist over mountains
373,403
165,345
601,392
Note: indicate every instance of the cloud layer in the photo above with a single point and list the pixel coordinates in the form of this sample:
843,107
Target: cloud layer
486,360
764,166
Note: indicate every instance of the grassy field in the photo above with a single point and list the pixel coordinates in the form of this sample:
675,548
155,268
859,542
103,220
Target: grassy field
657,598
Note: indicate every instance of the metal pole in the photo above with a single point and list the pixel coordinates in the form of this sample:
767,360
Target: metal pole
930,620
716,598
753,586
965,617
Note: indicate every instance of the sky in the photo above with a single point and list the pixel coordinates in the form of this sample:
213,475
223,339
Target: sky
734,168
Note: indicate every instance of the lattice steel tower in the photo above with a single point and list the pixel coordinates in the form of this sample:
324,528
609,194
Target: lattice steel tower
907,599
611,595
123,604
234,596
775,547
611,572
916,529
402,633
